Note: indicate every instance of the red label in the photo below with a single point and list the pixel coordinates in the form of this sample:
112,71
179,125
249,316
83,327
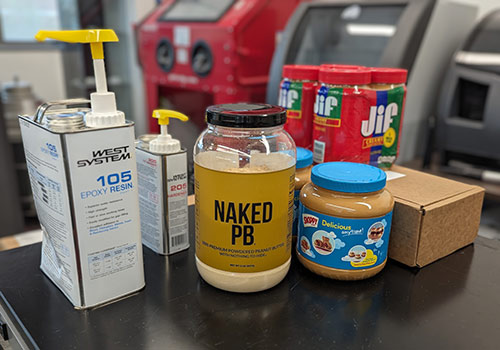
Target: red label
298,98
333,123
310,220
373,141
336,135
293,114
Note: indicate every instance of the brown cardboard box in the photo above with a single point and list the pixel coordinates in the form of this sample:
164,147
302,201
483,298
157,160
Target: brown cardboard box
433,216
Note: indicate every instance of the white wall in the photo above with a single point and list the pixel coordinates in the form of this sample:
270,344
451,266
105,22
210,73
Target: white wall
122,58
484,6
43,69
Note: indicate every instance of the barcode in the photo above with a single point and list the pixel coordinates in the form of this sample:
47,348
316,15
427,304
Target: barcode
319,151
178,240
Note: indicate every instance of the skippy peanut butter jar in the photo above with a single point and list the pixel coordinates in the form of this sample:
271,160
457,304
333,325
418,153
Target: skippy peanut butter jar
244,186
345,221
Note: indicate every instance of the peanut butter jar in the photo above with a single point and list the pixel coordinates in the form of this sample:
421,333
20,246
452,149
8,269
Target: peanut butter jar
302,176
244,166
387,78
345,216
388,94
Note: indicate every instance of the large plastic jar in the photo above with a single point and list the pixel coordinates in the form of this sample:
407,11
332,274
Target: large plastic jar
244,182
387,78
297,93
387,96
340,66
341,105
346,215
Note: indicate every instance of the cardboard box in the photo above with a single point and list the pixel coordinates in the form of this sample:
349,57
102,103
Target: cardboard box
433,216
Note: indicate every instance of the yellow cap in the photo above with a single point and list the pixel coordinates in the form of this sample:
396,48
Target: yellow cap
94,37
163,116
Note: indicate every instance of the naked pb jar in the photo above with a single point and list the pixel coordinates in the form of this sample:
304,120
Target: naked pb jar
244,186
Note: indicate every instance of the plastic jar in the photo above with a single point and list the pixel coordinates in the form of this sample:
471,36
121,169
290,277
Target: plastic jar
244,181
346,215
302,176
297,93
388,78
387,100
340,66
341,104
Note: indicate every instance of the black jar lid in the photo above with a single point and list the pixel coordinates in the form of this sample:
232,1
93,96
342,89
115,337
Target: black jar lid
246,115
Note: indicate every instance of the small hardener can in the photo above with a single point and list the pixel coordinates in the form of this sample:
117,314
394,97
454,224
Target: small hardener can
83,175
162,170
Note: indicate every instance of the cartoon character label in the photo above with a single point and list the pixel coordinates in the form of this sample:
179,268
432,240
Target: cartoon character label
348,244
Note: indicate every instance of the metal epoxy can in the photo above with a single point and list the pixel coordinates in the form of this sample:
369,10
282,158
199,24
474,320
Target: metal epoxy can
84,183
162,169
163,200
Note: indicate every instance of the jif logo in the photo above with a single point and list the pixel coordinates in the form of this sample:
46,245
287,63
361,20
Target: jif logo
324,104
380,119
288,97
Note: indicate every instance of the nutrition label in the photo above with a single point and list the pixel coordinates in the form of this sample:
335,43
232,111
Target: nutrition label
112,261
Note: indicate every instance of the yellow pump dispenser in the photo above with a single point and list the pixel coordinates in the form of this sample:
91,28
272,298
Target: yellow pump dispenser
103,102
164,143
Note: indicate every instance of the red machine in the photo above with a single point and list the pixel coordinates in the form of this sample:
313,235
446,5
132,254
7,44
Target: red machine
195,53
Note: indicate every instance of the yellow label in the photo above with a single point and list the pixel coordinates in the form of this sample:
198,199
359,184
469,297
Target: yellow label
389,137
243,220
369,260
372,141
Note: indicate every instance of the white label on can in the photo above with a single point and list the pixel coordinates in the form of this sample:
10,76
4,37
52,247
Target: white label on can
149,170
164,228
45,162
104,185
177,202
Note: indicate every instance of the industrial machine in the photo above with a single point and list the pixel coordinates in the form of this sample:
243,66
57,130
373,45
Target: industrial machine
468,128
411,34
198,53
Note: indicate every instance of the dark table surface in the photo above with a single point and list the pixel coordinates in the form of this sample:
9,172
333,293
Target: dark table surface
451,304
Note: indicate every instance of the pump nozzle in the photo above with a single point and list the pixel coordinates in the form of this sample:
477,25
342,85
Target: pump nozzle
164,143
103,103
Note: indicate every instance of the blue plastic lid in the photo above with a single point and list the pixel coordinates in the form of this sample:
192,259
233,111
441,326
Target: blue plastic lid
348,177
304,158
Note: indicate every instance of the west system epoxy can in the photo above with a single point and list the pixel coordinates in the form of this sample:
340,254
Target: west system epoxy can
162,170
83,174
